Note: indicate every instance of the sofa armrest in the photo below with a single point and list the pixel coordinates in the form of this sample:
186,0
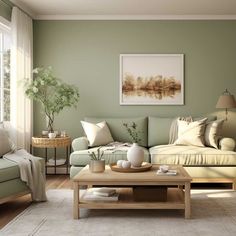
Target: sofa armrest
227,144
80,143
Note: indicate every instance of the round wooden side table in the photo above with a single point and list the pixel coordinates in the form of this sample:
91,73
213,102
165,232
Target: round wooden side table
58,142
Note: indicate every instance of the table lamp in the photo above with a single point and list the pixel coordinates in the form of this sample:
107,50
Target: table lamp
226,101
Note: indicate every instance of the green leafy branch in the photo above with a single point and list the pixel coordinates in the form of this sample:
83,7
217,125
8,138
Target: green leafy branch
53,94
98,156
133,132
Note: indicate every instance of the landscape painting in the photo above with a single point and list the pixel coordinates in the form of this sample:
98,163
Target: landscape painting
151,79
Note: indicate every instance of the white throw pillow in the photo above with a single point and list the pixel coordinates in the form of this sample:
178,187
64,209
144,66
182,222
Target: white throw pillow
97,134
213,133
191,133
5,144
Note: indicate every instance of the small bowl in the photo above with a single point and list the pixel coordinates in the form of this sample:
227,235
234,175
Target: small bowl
52,135
164,168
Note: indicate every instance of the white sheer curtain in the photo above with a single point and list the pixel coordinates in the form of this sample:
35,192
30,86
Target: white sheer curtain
21,67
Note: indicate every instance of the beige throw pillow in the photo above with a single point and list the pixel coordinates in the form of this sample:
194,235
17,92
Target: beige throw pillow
5,144
213,132
191,133
97,134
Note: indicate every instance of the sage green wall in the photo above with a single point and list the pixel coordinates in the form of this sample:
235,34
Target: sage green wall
86,53
5,9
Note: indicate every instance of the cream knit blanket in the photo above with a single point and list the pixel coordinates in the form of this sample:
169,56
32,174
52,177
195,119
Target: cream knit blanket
30,172
116,146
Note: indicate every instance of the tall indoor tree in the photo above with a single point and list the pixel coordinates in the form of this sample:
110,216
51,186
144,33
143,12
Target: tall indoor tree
53,94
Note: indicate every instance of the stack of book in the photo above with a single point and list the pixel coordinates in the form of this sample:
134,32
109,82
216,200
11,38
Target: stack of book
101,194
169,172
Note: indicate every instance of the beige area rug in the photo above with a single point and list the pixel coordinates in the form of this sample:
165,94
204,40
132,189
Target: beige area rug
213,214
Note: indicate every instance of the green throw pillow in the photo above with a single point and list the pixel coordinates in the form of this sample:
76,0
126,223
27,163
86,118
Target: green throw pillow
5,145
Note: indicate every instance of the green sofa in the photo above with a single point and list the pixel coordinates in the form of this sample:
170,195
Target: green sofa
204,164
11,186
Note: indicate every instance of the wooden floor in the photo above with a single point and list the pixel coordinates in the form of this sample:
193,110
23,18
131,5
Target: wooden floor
10,210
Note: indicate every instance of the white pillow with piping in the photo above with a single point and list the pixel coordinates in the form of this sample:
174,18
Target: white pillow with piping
213,133
97,134
191,133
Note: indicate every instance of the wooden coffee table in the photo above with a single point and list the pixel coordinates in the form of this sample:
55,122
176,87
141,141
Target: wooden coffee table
178,195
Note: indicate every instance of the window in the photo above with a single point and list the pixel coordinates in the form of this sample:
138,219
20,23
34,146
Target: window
5,44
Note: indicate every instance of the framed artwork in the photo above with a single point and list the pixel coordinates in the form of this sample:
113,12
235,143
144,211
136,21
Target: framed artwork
151,79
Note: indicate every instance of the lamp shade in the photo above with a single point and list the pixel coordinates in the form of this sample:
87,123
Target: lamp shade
226,100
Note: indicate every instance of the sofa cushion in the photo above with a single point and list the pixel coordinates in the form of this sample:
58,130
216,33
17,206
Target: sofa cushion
5,144
8,170
119,132
159,129
191,133
191,156
82,158
12,187
209,118
227,144
213,133
97,134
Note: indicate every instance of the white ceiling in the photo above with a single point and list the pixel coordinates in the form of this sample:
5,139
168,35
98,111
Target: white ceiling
129,9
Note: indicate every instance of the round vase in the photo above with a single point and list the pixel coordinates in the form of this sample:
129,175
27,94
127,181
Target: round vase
135,155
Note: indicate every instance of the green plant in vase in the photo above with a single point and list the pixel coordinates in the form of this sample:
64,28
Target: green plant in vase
52,93
133,131
96,156
97,164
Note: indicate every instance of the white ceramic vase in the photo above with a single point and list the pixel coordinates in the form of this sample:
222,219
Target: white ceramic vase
135,155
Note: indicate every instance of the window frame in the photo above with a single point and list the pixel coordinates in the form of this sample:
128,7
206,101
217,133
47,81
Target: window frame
5,29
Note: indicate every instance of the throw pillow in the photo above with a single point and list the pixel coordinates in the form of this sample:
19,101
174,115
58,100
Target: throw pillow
97,134
213,132
191,133
5,144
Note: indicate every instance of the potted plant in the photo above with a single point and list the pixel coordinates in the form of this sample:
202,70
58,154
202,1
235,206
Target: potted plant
135,154
133,132
52,93
97,164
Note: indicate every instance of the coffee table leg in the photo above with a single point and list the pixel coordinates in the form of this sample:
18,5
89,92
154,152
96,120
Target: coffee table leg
76,200
187,199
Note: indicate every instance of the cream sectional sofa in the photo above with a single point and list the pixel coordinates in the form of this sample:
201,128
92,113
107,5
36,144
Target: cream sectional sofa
204,164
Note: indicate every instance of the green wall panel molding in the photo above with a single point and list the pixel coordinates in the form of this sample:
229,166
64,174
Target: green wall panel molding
86,53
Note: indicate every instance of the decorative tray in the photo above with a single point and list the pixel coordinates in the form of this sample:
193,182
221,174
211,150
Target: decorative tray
144,167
